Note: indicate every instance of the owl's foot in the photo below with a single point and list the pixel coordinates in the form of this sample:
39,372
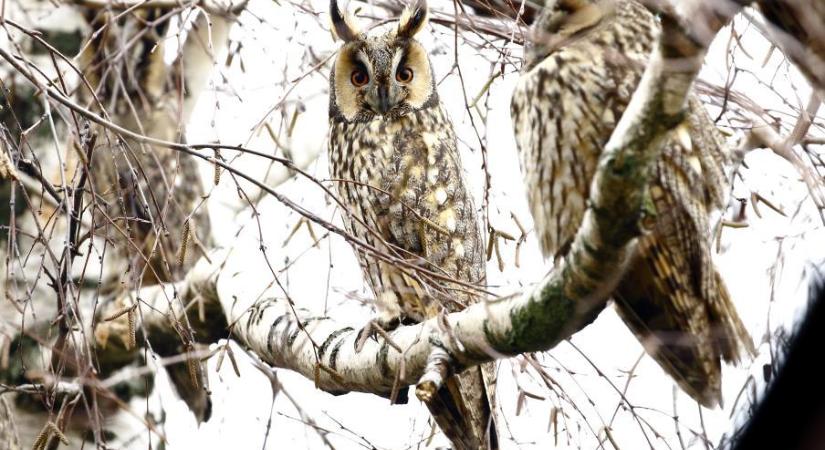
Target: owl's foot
378,326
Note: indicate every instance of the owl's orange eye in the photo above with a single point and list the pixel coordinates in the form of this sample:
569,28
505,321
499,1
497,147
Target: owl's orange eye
404,75
359,78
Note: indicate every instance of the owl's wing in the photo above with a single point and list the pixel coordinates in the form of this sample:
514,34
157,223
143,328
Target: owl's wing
432,219
672,297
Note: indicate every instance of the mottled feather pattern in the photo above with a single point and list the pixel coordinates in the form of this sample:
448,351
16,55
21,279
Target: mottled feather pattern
564,110
566,104
399,176
409,189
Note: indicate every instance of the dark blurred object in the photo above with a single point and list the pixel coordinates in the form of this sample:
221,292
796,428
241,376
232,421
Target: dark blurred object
19,110
796,27
792,414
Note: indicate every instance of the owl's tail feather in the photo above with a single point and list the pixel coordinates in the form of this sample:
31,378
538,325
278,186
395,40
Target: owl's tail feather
735,336
685,332
672,297
461,408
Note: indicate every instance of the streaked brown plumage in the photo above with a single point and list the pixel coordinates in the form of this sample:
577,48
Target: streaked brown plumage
393,154
581,70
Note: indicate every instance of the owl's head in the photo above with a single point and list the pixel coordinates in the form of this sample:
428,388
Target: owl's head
387,75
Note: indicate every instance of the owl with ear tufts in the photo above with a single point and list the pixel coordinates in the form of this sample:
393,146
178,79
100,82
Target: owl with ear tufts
583,63
396,167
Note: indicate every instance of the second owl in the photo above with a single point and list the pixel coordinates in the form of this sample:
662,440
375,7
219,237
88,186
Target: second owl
582,68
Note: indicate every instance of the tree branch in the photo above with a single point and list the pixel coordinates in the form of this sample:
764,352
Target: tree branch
763,135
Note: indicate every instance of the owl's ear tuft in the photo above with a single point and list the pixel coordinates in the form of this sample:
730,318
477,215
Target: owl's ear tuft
342,27
413,19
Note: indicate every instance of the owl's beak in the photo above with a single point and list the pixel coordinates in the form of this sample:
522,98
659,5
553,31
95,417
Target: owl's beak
383,99
379,101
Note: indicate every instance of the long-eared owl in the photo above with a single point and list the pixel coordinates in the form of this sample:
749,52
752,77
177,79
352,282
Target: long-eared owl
581,68
394,160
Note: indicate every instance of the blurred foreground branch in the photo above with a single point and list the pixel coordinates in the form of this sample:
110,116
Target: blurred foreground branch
212,7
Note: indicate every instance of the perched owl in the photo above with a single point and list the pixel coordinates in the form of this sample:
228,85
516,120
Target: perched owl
584,63
393,157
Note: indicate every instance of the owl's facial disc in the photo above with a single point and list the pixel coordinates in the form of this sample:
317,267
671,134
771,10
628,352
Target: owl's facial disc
382,76
568,17
391,88
383,98
387,75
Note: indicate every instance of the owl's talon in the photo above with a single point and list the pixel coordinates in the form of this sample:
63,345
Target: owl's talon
373,328
364,334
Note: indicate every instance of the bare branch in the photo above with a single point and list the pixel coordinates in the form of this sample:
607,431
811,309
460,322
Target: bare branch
797,29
